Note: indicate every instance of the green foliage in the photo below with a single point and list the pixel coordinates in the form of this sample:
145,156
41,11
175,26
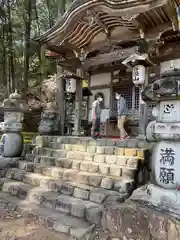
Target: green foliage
16,45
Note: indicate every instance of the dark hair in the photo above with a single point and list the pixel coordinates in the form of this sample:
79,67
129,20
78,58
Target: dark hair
118,94
97,95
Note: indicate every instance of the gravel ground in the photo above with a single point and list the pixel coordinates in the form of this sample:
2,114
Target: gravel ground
16,229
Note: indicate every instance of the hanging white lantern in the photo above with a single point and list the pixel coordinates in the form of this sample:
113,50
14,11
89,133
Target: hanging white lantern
139,74
70,85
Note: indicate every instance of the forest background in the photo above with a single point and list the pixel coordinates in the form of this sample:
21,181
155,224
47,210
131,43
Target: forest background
23,62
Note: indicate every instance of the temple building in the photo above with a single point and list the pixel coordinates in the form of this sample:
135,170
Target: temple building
102,41
86,188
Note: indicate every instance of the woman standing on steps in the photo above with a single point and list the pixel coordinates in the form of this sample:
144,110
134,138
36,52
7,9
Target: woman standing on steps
96,116
122,112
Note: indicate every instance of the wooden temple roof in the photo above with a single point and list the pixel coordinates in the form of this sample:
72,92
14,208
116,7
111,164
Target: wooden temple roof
100,26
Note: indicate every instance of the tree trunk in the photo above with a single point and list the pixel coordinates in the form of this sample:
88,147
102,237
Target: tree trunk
60,81
51,22
10,51
61,7
27,43
4,53
40,48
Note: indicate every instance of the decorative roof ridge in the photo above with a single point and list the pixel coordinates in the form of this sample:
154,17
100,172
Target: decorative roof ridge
79,6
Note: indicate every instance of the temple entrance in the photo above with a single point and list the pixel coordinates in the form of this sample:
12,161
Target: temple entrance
131,95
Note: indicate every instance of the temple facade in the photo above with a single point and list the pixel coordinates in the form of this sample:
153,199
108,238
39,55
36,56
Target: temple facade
103,188
102,41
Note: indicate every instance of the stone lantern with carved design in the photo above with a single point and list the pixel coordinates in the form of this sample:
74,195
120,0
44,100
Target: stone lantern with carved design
48,124
165,130
12,140
49,121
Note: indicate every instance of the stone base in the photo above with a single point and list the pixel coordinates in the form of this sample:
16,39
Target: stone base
6,163
151,213
11,144
165,200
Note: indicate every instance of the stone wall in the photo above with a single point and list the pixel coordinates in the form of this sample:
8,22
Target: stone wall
137,221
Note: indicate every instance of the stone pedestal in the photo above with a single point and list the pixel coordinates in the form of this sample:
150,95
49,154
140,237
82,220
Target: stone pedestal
166,164
11,145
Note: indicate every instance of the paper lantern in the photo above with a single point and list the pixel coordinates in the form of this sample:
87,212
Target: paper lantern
139,74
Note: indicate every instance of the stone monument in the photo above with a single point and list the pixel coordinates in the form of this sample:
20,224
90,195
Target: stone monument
153,210
49,122
163,191
11,145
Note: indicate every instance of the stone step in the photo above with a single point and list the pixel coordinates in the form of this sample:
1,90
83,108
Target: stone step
85,209
91,179
62,153
34,179
108,150
82,148
102,178
122,188
132,143
82,152
16,188
120,166
73,159
50,218
129,162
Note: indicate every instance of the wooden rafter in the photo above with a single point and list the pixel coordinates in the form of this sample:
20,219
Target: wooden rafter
117,21
96,18
78,8
109,57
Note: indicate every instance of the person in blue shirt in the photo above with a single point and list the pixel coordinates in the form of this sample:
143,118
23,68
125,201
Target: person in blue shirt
122,113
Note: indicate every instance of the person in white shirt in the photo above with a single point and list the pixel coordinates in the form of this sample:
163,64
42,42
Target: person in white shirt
96,116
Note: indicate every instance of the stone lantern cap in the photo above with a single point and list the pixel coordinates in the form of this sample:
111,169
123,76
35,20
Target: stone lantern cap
51,107
14,103
15,96
165,88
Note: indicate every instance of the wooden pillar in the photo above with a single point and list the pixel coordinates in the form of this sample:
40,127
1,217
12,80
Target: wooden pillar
60,99
133,101
111,100
143,111
77,124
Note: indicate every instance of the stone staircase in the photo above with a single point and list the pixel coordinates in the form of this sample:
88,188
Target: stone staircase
66,182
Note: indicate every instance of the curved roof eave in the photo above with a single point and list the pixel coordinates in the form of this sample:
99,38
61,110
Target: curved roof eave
79,6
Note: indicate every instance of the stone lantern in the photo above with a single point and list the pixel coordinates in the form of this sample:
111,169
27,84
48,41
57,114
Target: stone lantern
163,191
165,130
49,123
11,145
